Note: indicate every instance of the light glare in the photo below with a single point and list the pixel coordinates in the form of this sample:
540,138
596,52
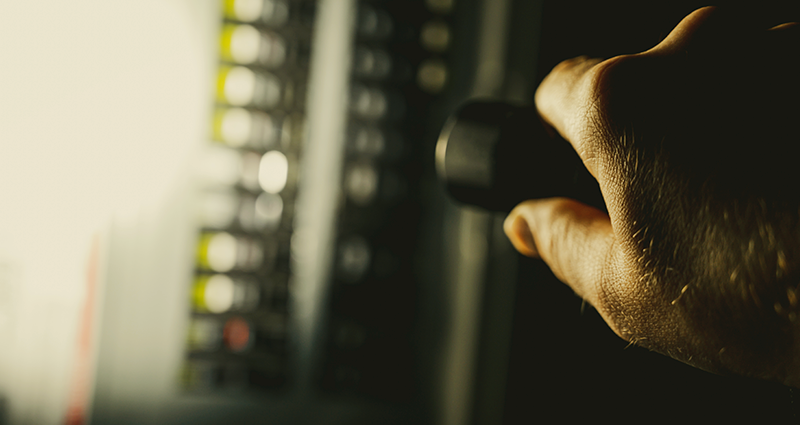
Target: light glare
245,44
240,86
221,252
273,172
219,293
248,10
236,127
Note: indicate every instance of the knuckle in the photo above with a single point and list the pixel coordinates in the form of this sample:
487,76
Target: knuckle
625,93
573,63
609,89
630,87
615,84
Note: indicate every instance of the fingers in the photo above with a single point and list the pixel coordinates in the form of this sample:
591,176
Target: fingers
567,98
711,29
788,26
564,100
575,240
699,22
784,39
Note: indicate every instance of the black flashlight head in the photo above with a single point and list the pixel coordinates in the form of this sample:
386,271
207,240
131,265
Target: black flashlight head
495,155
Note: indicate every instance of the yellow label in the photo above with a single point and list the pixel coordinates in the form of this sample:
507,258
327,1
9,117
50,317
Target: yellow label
216,129
225,42
199,293
229,9
222,76
202,250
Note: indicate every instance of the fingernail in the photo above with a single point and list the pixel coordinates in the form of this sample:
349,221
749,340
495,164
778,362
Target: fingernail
521,237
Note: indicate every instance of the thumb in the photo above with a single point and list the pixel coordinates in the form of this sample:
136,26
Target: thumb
575,240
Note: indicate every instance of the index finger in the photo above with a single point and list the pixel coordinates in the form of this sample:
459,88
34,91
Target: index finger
565,100
569,97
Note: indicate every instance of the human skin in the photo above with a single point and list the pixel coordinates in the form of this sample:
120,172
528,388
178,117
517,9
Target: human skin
698,257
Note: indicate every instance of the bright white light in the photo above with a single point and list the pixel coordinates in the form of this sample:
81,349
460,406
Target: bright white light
219,293
240,86
273,172
221,252
236,127
248,10
245,44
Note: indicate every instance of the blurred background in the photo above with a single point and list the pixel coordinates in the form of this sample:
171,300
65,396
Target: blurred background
226,212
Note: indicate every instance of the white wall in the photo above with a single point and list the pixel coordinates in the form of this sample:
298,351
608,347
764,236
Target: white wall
102,104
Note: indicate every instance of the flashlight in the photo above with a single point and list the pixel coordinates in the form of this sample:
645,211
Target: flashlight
495,155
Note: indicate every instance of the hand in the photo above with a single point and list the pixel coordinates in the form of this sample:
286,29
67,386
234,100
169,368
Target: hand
690,142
